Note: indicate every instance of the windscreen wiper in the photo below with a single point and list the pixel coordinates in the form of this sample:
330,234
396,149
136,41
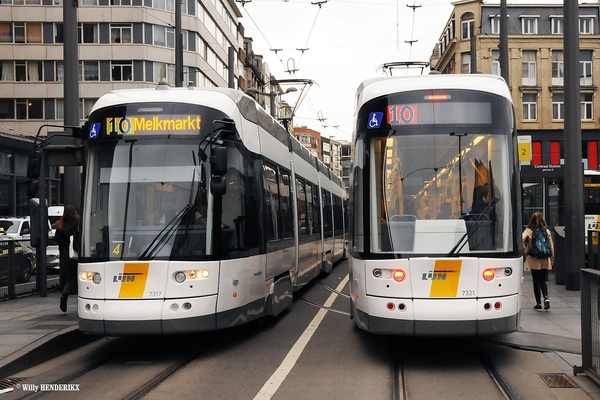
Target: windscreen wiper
163,236
461,242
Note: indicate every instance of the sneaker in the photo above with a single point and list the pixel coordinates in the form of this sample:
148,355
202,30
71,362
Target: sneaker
538,307
546,304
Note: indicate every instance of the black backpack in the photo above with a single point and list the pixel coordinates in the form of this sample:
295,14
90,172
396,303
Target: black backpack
540,244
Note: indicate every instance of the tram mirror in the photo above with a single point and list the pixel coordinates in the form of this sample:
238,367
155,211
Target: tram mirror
218,186
218,161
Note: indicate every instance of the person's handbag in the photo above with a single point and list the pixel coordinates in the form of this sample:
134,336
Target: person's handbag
73,253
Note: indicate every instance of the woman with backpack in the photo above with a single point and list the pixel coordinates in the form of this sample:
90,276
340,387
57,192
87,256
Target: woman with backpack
539,248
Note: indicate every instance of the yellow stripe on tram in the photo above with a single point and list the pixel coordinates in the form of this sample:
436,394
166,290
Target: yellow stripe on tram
133,281
446,276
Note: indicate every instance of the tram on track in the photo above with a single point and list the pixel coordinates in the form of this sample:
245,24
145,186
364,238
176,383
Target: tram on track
200,212
435,225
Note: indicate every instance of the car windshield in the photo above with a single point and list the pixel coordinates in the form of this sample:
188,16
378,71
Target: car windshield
9,226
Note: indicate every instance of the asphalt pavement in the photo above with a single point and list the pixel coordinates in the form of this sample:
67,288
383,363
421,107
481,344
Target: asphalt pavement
33,329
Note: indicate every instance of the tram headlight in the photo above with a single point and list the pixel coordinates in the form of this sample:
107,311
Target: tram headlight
193,274
377,273
180,277
90,276
508,271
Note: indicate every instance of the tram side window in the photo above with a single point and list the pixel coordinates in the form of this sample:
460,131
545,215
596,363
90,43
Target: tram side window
338,215
327,222
286,204
316,210
302,209
271,202
309,209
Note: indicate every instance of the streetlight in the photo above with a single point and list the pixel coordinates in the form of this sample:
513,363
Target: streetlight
460,135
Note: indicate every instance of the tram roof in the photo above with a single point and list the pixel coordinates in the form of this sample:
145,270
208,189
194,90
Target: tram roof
381,86
214,97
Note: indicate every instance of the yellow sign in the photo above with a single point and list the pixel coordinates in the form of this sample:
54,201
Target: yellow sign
447,273
524,148
133,280
132,125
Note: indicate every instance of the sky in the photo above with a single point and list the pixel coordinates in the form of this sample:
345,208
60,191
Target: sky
347,42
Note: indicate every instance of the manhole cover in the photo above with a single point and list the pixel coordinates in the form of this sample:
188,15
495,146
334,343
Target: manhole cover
8,383
557,380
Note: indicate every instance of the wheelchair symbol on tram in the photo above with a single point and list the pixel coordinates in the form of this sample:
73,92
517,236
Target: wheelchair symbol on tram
94,130
375,120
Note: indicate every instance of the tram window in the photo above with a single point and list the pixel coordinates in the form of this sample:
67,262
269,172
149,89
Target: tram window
309,209
327,222
271,202
285,203
316,210
302,209
337,215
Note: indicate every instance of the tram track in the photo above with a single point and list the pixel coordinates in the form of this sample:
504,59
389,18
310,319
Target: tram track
420,369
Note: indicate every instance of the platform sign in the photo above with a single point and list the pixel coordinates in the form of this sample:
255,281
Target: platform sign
524,148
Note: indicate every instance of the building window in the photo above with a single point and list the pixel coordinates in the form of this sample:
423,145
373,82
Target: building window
585,62
529,106
7,71
495,24
120,33
164,71
586,25
496,62
587,106
558,106
121,70
27,32
529,25
30,108
58,33
7,109
89,2
87,33
88,71
465,63
6,32
28,71
120,3
85,107
529,68
557,25
558,68
467,26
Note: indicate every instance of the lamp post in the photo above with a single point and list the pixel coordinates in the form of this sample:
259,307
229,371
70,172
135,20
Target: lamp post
460,136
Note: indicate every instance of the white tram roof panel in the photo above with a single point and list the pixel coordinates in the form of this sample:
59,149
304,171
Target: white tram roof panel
381,86
220,98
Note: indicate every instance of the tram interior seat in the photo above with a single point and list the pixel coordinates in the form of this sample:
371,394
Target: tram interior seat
482,236
399,233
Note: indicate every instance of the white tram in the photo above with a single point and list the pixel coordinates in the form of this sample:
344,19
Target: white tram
435,225
200,212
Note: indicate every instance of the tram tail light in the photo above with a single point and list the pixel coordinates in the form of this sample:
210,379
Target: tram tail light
488,274
399,275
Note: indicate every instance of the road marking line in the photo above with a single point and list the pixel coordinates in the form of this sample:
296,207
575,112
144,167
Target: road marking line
271,386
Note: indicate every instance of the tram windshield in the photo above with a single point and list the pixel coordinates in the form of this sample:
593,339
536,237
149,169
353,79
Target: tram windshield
143,197
435,188
147,195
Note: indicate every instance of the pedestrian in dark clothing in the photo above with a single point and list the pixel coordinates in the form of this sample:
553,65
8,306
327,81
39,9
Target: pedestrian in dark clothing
66,227
539,266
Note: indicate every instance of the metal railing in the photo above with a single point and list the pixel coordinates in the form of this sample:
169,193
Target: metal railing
590,323
15,270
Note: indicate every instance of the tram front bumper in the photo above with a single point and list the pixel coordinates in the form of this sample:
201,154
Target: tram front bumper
422,317
161,316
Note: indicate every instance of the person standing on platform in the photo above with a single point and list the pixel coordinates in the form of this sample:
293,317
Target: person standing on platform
66,227
539,249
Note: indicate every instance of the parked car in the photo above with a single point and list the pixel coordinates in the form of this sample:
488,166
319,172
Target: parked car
24,260
19,228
